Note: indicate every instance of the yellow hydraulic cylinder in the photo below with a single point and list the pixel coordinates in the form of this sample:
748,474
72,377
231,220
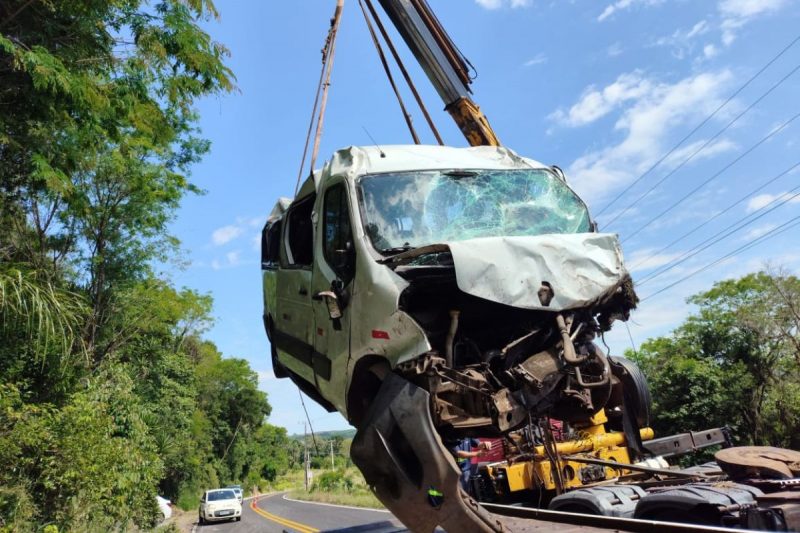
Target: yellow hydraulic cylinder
593,441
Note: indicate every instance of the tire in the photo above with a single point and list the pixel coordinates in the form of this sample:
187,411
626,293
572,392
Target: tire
200,519
238,518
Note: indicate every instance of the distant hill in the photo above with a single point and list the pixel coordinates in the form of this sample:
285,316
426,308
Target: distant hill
343,433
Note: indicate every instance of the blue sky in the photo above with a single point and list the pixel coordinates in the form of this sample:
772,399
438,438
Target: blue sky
603,89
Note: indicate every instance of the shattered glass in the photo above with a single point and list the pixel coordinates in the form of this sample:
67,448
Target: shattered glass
411,209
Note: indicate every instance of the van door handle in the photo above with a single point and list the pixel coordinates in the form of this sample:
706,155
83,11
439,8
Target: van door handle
303,291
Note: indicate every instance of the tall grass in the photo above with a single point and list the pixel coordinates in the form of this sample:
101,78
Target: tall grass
341,487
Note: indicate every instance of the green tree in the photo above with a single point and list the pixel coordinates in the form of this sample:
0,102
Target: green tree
735,362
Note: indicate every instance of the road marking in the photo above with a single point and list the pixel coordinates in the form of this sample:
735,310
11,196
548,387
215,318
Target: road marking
280,520
285,497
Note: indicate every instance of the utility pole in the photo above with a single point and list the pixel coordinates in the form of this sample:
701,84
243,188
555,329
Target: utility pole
305,456
333,467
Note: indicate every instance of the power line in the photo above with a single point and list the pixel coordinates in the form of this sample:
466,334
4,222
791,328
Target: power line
703,123
713,177
786,226
715,216
704,145
313,436
742,224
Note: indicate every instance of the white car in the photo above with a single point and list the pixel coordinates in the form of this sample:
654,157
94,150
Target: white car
219,504
237,489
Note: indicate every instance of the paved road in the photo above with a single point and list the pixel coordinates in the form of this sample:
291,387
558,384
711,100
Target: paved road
308,517
275,514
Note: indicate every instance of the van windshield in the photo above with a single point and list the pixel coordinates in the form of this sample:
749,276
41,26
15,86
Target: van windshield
410,209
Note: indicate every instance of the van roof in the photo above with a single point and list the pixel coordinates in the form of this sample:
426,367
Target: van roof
355,161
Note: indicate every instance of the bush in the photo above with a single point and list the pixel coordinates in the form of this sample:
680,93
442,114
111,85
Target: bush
333,480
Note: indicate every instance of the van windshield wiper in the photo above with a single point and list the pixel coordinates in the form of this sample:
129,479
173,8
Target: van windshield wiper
407,253
397,249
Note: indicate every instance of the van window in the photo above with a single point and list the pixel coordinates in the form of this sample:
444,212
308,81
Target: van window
300,233
270,244
337,234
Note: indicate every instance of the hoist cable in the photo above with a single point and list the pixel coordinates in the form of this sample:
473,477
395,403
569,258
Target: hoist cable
337,17
325,56
313,113
403,70
388,71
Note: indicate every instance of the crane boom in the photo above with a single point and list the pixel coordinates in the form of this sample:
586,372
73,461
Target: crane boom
443,64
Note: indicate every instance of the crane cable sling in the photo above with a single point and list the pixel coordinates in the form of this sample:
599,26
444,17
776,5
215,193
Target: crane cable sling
403,71
387,70
323,85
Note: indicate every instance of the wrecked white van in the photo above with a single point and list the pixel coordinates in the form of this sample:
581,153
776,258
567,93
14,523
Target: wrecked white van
474,273
431,293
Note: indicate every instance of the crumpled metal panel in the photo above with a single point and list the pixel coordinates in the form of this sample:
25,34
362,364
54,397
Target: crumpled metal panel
412,473
581,268
361,160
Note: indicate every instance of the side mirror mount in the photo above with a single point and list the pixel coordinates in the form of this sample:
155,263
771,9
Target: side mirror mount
331,302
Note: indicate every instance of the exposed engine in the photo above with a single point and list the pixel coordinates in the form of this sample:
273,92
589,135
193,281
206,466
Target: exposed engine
493,366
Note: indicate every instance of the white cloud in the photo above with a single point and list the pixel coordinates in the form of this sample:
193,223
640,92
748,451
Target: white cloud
538,59
232,259
712,150
682,42
615,49
758,232
710,51
653,110
497,4
595,103
225,234
762,200
645,259
620,5
737,13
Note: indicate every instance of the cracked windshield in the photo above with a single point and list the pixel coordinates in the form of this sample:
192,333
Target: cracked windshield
411,209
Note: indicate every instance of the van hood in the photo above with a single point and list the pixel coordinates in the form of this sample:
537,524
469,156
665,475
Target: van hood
582,269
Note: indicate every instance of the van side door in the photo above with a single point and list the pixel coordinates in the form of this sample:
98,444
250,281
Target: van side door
293,313
333,285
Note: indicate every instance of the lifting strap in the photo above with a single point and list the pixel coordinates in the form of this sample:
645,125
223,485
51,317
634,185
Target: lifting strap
388,71
328,52
403,71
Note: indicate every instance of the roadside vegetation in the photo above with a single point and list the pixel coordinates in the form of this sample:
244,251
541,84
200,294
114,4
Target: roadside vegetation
344,486
109,394
735,362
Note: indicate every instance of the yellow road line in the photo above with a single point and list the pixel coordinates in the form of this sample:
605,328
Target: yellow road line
280,520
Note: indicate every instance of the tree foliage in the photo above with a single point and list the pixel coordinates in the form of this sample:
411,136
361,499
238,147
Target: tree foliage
108,393
736,362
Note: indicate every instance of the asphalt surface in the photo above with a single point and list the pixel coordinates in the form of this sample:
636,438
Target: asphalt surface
275,514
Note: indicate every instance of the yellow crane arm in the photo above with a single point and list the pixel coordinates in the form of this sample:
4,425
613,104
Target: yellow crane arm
472,122
443,64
